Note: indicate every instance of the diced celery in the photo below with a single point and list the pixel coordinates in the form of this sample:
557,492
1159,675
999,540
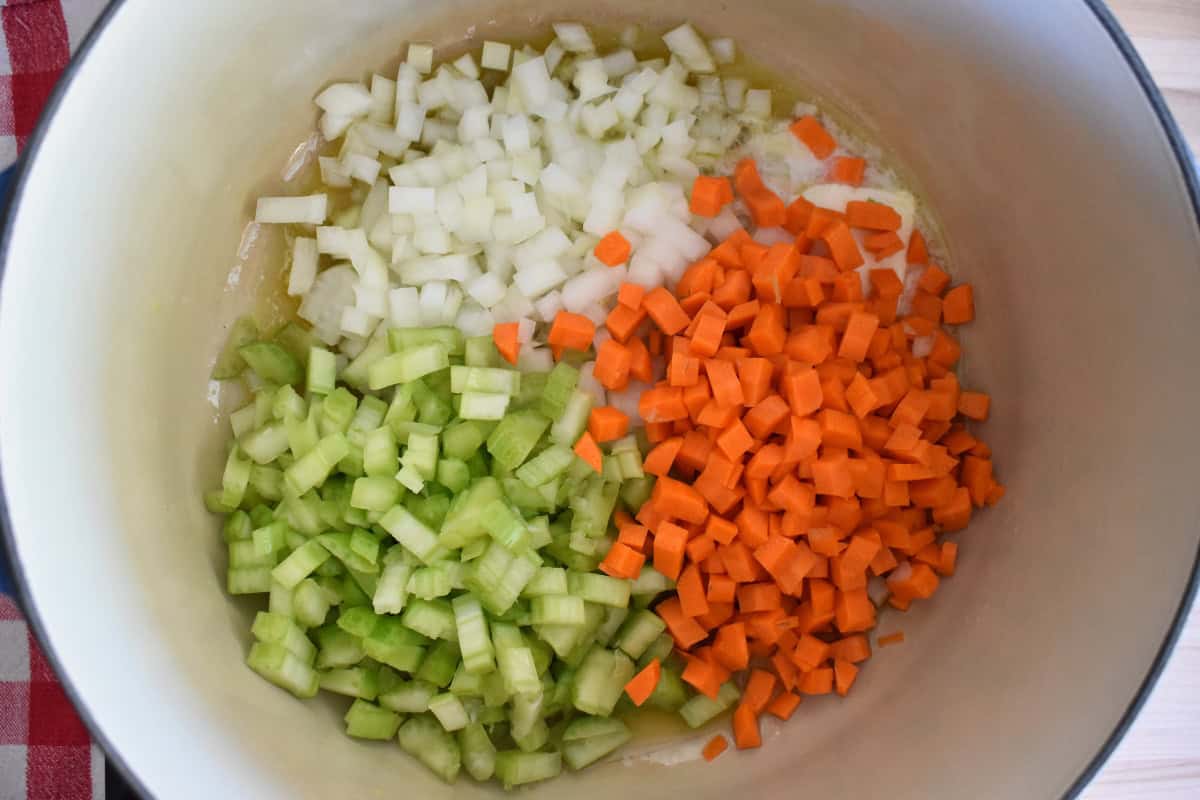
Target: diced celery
558,610
546,465
478,654
506,526
478,752
234,479
267,481
322,371
524,497
514,768
429,582
526,713
547,580
597,588
650,581
480,351
700,709
271,362
573,421
412,533
245,553
368,721
404,430
296,340
237,526
230,363
411,478
406,338
670,694
489,380
423,738
381,455
440,663
314,467
660,648
337,411
592,506
278,665
278,629
613,617
483,406
453,474
464,520
303,434
588,739
361,682
560,384
337,647
422,454
515,437
310,605
265,444
407,365
533,387
636,491
287,404
409,697
600,680
392,590
462,439
533,739
338,544
376,493
432,618
357,371
639,631
449,711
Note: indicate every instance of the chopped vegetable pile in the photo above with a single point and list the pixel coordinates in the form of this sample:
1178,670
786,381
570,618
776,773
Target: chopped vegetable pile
612,391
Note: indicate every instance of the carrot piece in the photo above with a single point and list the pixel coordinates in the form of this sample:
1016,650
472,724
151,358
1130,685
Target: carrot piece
854,648
844,674
765,416
918,253
819,681
641,365
955,514
949,556
706,339
700,548
854,611
974,405
810,653
739,563
573,331
662,404
721,589
802,389
848,169
633,535
587,449
698,279
704,676
721,530
613,249
813,134
958,306
664,309
690,588
714,747
613,361
683,628
745,728
798,212
857,338
670,541
872,215
505,337
735,440
759,689
630,295
641,686
882,245
934,280
623,321
755,376
767,334
710,195
784,706
722,377
684,502
730,648
766,208
662,456
607,424
842,245
622,561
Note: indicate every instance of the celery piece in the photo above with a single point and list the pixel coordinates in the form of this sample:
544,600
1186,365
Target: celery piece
432,618
639,631
670,694
600,680
271,362
449,711
278,629
278,665
557,610
514,768
411,479
533,387
423,738
515,437
534,739
515,662
322,371
337,411
650,581
464,520
571,424
360,682
428,583
430,509
237,527
545,466
440,663
422,454
230,363
404,430
560,384
478,752
338,544
483,406
480,351
613,617
381,455
505,525
636,491
412,533
525,498
546,581
630,462
408,697
267,481
357,371
300,563
265,444
588,739
592,507
462,439
365,545
235,479
407,365
488,380
700,709
296,340
403,407
376,493
474,641
337,647
391,592
368,721
453,474
314,467
406,338
310,605
601,589
526,713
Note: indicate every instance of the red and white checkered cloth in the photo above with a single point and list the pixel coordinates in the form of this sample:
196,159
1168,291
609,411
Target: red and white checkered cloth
45,751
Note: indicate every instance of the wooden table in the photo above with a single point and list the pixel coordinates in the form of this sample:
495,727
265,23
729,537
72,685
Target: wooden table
1160,756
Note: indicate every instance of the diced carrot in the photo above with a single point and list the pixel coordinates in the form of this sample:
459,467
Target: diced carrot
848,169
573,331
623,321
630,295
710,195
587,449
505,337
890,639
705,677
641,686
958,306
759,689
690,588
664,309
714,747
819,681
974,405
766,208
670,541
745,728
662,404
659,460
813,134
707,337
884,244
844,674
613,361
682,627
784,705
633,535
613,249
917,250
622,561
842,245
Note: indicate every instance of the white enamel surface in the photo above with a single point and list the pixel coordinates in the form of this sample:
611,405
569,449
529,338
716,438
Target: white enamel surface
1028,137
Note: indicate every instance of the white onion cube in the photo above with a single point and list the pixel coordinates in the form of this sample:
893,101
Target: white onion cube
404,310
412,200
420,57
495,55
304,265
310,210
